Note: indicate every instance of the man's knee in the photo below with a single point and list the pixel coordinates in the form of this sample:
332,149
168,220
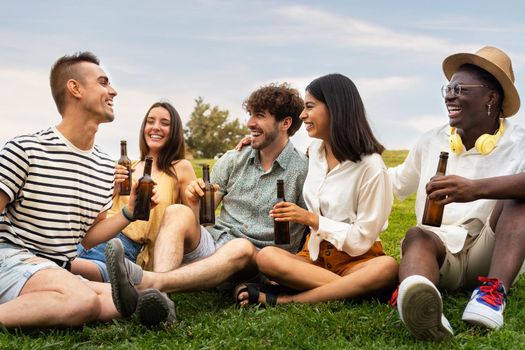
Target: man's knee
177,212
416,236
241,251
81,306
516,205
180,215
421,244
91,306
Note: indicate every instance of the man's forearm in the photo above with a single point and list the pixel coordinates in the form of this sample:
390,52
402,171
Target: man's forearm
502,187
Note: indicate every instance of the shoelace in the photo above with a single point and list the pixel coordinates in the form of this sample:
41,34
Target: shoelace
393,298
491,292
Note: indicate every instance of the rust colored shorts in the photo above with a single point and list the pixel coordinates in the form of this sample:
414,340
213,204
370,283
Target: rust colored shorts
337,261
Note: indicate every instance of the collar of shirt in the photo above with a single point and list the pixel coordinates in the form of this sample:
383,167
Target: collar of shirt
283,159
318,147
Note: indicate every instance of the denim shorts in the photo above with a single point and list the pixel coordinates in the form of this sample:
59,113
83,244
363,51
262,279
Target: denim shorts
15,272
96,254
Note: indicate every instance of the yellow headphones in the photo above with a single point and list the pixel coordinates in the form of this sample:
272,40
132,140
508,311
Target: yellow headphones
484,144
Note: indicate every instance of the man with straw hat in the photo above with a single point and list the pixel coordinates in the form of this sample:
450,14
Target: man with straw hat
480,239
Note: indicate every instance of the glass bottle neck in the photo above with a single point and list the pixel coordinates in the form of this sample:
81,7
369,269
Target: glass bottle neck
280,189
442,165
147,166
206,173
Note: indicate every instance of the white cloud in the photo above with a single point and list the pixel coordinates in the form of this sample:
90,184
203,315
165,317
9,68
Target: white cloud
376,87
364,85
463,23
27,105
518,64
293,24
425,122
317,25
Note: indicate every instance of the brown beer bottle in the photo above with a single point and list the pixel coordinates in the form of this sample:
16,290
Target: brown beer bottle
433,213
144,192
124,188
207,202
281,229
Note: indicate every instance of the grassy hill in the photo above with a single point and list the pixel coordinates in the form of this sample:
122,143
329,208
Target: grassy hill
208,320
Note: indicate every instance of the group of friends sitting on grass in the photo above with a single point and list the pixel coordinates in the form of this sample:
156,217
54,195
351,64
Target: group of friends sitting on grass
71,251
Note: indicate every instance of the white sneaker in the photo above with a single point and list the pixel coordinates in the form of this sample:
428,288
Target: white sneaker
421,309
486,304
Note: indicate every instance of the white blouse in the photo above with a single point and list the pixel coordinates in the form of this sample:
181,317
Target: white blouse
353,201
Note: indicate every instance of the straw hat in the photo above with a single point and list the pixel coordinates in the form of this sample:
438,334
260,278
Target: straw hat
497,63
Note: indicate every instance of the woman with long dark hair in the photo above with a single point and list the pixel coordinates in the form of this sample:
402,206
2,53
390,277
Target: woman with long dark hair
161,137
349,197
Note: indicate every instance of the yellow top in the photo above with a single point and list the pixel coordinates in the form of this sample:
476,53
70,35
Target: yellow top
145,232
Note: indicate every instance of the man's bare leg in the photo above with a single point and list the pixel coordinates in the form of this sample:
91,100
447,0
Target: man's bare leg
236,258
508,222
56,297
179,233
419,302
423,254
487,303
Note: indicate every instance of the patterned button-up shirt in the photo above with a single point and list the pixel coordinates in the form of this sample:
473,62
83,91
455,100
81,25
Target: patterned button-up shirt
249,193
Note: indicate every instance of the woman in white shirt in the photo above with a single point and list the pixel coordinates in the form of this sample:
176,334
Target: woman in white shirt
349,197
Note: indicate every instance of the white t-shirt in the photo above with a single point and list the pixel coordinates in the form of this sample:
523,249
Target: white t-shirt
459,219
55,192
353,201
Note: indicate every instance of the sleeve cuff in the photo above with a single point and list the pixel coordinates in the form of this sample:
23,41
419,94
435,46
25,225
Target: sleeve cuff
329,231
8,191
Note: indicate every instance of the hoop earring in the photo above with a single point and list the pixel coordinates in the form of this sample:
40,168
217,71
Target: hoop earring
488,109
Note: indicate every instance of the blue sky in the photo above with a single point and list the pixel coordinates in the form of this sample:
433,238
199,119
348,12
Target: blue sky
223,50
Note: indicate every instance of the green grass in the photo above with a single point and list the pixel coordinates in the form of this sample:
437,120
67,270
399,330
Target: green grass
208,320
197,165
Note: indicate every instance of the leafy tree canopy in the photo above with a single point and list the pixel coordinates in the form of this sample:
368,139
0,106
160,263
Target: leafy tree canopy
209,132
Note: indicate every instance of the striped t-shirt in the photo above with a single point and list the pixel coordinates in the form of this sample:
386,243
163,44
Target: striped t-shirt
55,192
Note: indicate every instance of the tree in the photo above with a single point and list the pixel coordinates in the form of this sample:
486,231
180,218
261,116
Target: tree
209,132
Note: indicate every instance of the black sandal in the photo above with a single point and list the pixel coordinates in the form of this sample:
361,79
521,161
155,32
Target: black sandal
254,290
271,291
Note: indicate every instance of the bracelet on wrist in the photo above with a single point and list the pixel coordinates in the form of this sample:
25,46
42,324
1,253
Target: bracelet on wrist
127,214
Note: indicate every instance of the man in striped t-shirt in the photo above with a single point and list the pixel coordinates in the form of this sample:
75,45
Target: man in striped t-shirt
55,187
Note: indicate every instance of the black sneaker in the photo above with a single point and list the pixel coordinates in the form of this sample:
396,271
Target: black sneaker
124,294
155,307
